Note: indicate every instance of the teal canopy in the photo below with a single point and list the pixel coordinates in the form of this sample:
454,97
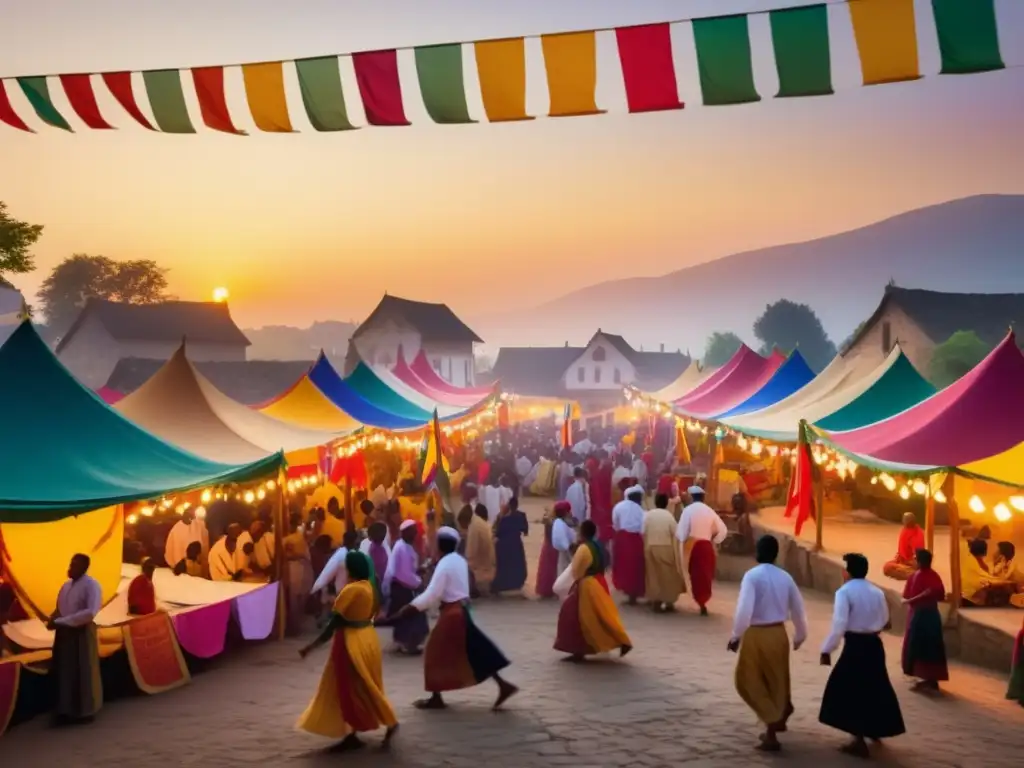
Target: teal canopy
64,451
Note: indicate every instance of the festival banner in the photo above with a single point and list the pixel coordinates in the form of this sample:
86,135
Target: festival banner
968,37
154,654
322,96
803,57
10,677
255,612
37,91
379,87
167,100
203,631
7,113
120,86
501,68
570,61
213,102
648,68
439,70
78,89
264,92
886,35
724,60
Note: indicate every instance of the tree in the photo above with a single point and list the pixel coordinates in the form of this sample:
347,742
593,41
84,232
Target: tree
788,325
956,356
82,277
721,346
16,241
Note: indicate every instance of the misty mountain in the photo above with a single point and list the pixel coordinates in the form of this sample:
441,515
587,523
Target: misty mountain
284,342
975,244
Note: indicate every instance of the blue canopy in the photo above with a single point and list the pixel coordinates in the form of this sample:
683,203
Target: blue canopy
791,376
335,389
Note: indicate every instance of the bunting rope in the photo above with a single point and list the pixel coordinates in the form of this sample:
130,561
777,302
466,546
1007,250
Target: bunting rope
885,35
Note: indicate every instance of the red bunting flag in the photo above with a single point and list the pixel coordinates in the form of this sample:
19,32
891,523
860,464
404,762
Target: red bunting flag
801,488
648,68
379,87
83,100
213,104
7,113
120,86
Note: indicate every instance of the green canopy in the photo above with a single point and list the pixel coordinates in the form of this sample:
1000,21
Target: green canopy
64,451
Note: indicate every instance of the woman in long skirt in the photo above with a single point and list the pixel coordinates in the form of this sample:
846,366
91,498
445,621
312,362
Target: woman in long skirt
351,698
547,565
924,650
509,531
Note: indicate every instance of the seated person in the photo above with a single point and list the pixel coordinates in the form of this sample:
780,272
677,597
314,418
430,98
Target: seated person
1005,567
741,540
911,539
190,564
141,595
978,585
223,562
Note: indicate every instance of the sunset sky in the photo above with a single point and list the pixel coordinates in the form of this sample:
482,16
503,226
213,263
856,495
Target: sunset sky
315,226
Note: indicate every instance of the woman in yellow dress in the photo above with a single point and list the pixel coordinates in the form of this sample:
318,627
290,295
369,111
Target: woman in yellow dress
350,699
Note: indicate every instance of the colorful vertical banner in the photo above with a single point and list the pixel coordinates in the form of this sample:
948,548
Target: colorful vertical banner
648,67
37,92
78,89
167,100
322,96
886,35
442,85
803,57
566,437
380,87
213,103
968,36
7,113
570,61
264,92
154,655
120,86
501,68
724,60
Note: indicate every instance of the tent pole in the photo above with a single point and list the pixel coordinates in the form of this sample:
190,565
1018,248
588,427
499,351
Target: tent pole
954,550
712,479
929,519
819,503
279,523
350,524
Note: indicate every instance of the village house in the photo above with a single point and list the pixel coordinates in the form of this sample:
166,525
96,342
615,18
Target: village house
920,320
106,332
411,326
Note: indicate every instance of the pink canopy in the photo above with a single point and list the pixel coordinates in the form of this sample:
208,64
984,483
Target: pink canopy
980,415
405,374
425,372
743,375
110,396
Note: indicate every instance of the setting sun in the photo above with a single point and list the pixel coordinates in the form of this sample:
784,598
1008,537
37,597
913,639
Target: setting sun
220,294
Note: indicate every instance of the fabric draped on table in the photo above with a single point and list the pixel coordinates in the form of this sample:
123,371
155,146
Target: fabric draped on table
409,631
510,553
351,696
859,698
762,672
700,565
588,621
458,654
76,672
628,567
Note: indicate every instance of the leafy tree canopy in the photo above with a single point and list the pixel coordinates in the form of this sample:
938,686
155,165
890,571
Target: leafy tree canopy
956,356
788,325
720,347
16,241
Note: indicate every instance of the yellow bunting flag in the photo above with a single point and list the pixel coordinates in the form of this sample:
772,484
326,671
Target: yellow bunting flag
886,40
264,90
501,67
571,64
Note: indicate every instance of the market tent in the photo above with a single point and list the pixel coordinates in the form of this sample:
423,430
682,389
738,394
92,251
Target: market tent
66,451
749,374
742,356
979,416
306,406
893,386
180,405
791,376
341,393
688,379
426,373
108,395
464,398
383,388
1006,467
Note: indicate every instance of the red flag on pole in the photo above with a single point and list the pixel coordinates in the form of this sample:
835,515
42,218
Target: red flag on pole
801,488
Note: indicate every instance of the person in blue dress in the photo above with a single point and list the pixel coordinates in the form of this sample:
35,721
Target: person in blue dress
509,530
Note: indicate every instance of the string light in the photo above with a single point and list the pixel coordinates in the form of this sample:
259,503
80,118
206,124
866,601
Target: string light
939,496
146,511
132,519
976,505
1002,512
205,496
920,487
904,493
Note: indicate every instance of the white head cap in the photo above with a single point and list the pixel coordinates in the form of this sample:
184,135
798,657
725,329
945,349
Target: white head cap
636,489
695,490
406,524
447,532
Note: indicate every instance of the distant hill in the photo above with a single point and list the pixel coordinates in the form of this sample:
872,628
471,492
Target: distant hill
283,342
975,244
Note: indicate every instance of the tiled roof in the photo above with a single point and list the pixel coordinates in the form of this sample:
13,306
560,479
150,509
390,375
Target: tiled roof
435,322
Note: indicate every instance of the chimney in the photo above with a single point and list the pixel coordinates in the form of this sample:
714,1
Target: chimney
567,345
662,350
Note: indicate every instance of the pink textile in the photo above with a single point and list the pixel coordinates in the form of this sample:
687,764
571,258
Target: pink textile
744,374
451,396
422,368
980,415
255,612
203,631
109,396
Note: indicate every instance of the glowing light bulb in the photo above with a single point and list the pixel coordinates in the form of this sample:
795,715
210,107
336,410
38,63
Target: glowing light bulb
206,496
940,497
1017,502
874,479
249,497
220,294
201,513
271,485
920,487
132,519
1002,512
146,511
904,492
889,482
976,505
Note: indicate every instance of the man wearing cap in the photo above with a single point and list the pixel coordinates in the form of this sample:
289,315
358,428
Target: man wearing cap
401,583
563,537
458,654
628,572
699,530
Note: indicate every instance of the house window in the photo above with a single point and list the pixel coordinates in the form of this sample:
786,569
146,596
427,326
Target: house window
581,374
599,355
597,374
886,338
466,371
617,376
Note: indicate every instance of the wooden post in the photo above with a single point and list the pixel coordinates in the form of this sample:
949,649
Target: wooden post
280,521
929,518
350,523
712,481
954,550
819,502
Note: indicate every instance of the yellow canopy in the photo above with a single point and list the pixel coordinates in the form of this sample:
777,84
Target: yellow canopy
1006,467
688,379
306,406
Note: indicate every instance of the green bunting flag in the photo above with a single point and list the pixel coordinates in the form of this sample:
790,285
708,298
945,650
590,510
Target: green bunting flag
320,83
724,60
439,68
37,92
968,36
802,55
167,100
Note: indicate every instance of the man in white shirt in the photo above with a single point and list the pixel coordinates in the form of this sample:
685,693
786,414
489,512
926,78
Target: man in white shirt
700,529
458,654
859,698
578,495
75,645
562,536
628,573
768,598
334,573
188,529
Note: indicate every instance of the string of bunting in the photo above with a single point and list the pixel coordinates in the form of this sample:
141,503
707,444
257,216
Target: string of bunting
884,31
